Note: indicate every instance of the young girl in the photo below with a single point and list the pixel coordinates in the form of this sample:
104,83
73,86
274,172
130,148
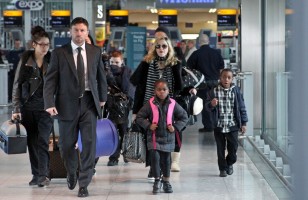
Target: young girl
161,125
227,105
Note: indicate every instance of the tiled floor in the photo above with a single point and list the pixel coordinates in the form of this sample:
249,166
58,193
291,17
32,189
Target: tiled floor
198,179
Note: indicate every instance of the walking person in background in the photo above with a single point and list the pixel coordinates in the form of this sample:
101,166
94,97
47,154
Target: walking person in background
227,105
120,98
191,48
208,61
13,57
161,117
28,103
183,46
75,90
160,62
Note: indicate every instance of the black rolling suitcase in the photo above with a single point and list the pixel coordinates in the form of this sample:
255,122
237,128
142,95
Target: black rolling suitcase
56,164
13,137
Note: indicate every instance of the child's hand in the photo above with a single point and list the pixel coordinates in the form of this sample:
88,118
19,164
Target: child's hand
243,129
214,102
170,128
153,127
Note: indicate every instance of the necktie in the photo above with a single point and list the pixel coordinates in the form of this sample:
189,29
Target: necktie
80,72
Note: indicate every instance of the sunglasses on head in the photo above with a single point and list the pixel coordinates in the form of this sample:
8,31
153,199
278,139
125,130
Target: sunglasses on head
164,46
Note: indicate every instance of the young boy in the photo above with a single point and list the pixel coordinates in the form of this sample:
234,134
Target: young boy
228,107
162,118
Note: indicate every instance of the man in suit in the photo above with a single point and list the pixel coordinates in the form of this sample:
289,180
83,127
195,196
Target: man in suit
208,61
75,90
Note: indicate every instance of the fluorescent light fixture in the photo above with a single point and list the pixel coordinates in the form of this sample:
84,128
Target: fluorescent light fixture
212,10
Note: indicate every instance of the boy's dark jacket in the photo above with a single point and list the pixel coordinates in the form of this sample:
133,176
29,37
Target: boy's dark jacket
165,141
239,111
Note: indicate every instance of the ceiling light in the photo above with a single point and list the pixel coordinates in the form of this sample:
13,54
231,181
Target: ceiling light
212,10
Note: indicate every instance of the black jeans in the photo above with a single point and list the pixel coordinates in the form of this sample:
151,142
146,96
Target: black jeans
122,129
231,140
160,161
38,125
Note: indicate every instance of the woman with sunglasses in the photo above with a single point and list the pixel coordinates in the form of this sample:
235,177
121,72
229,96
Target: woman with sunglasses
28,104
159,63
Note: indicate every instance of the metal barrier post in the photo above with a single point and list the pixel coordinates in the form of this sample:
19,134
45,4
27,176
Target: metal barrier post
245,82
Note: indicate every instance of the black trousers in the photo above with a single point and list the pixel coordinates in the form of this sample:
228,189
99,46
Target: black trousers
38,125
85,122
160,161
231,141
122,129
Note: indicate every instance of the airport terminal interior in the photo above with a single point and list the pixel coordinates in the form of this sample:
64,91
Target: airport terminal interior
254,38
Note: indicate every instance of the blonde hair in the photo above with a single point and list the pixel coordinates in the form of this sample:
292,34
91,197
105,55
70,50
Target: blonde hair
152,54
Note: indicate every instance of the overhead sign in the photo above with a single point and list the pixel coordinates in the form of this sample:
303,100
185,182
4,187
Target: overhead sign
167,18
185,3
60,18
29,5
12,18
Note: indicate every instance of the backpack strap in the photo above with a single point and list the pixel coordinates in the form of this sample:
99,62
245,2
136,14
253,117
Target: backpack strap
155,119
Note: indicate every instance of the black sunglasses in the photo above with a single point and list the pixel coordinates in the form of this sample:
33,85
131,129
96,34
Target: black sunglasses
164,46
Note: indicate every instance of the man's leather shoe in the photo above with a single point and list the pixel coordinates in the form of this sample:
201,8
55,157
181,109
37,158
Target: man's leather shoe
223,173
83,192
71,181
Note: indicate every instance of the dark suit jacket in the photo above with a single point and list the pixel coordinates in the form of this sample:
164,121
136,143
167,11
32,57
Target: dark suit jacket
61,81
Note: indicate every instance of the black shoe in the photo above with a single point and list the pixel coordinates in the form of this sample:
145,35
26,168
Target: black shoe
71,181
156,186
223,173
125,160
94,171
34,181
229,170
112,163
83,192
202,130
167,187
43,181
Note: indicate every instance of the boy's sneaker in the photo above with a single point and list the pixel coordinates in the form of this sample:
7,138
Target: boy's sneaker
167,187
223,173
43,181
112,162
156,186
229,170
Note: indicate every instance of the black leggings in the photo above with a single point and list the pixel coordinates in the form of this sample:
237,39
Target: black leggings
160,161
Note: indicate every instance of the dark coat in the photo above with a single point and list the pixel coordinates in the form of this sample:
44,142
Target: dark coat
139,79
208,61
239,111
165,141
61,85
27,79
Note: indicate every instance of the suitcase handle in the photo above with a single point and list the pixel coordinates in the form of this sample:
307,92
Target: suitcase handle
16,121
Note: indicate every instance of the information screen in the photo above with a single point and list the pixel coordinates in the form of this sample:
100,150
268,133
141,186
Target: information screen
60,21
118,21
12,21
226,21
167,20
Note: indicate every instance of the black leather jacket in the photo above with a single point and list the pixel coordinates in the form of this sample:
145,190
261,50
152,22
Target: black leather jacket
27,79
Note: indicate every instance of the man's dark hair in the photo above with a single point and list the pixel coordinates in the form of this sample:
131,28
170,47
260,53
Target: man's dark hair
79,20
163,29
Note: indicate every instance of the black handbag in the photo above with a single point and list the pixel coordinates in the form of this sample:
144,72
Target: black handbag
133,145
192,78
